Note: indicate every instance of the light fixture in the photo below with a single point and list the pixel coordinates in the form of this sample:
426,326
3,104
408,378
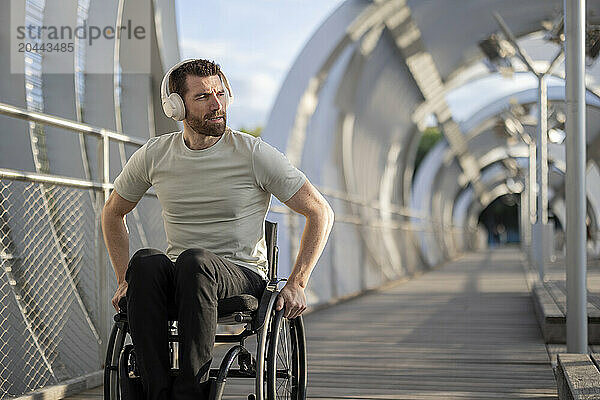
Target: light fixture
556,135
498,52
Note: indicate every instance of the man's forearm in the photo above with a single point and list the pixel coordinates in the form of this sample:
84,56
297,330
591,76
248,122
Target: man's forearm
116,239
314,237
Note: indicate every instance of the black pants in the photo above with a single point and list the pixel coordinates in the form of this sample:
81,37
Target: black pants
159,290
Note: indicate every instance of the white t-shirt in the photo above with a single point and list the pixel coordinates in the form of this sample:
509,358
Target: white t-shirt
216,198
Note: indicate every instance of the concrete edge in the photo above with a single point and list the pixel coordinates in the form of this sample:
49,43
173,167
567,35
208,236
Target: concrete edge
577,377
562,385
65,388
553,326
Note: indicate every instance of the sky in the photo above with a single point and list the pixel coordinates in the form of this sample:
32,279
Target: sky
255,42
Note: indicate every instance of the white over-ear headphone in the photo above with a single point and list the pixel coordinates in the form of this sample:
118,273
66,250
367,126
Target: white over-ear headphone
172,103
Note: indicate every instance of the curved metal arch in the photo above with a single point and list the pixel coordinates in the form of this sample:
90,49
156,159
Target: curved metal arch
454,42
444,195
487,123
347,101
499,154
299,96
527,96
593,181
477,208
366,27
447,197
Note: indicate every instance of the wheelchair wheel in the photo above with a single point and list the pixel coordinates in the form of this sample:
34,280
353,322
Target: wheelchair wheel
111,363
286,359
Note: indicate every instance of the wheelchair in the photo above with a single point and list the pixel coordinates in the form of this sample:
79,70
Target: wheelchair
278,365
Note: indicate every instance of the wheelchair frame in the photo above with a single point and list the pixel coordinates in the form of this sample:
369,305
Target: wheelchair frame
279,372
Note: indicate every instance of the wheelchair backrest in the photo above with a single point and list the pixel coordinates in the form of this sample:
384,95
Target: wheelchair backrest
272,249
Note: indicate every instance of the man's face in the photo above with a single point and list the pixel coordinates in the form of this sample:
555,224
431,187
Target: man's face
205,105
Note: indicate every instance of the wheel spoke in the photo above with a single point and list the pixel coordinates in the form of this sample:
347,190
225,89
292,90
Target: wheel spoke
283,361
285,340
284,355
285,386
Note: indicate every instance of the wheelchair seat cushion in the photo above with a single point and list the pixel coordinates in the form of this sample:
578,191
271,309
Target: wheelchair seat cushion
241,303
228,306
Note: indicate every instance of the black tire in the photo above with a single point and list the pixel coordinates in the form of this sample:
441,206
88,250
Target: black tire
286,359
262,346
111,363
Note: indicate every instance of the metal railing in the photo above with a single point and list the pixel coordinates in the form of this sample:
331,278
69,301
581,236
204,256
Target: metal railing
54,281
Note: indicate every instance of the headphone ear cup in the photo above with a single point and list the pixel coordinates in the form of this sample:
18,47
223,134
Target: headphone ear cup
177,106
227,98
167,107
226,88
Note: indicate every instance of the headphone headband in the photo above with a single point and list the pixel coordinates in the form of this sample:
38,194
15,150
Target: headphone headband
172,103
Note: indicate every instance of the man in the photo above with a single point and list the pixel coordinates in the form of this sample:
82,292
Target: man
214,186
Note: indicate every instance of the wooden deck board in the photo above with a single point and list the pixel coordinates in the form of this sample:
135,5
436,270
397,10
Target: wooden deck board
463,331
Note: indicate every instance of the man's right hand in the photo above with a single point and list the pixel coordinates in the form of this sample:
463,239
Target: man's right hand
121,292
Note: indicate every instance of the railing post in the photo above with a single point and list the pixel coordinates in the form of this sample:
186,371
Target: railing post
541,143
531,196
102,260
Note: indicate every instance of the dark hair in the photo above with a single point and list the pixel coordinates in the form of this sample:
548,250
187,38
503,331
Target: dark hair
198,67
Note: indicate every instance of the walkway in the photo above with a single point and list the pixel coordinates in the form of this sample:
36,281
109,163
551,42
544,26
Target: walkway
466,330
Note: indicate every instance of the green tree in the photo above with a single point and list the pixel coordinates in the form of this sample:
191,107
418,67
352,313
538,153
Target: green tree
429,138
256,131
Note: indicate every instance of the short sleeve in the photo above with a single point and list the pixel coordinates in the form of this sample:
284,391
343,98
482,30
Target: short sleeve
133,181
274,172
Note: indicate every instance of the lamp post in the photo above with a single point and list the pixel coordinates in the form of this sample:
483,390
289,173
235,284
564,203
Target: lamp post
575,183
575,47
542,232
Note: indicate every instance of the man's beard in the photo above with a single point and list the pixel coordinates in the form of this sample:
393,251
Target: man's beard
205,127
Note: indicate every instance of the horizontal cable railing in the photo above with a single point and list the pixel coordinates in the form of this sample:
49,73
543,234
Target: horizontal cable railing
74,126
84,184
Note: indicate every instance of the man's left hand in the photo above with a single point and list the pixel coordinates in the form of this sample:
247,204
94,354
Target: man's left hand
292,296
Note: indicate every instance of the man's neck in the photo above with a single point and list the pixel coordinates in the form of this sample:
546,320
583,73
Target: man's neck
197,141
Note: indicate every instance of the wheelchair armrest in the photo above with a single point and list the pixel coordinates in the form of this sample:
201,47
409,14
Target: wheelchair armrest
123,305
266,303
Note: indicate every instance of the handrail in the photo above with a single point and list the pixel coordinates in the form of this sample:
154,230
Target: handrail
392,208
85,184
27,115
52,179
59,180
